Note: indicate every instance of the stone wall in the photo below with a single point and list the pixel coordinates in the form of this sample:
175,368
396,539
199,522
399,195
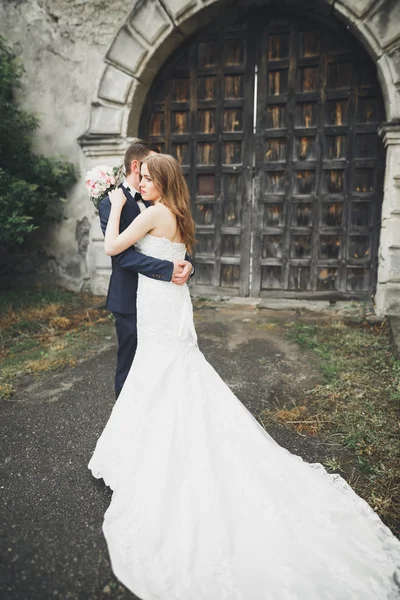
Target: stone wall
62,44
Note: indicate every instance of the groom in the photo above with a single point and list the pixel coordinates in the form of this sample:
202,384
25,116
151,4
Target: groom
121,297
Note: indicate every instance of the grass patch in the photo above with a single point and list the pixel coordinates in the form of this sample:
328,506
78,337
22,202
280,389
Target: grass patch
357,404
44,329
36,297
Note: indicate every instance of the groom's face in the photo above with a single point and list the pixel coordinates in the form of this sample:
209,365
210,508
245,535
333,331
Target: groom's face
134,177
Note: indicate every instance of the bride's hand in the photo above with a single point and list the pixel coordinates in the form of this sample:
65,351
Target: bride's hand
181,272
117,198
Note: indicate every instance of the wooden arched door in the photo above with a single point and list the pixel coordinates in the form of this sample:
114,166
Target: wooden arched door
274,121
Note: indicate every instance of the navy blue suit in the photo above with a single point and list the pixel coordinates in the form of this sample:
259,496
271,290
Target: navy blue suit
121,297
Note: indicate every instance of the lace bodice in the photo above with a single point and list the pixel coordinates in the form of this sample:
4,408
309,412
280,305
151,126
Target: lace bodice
161,247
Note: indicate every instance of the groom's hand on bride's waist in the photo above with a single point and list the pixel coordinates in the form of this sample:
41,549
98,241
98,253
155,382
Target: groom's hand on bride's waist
182,271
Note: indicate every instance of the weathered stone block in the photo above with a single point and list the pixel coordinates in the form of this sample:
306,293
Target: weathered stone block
82,236
394,265
391,204
126,51
387,299
138,98
105,120
99,282
102,260
388,89
96,232
150,20
384,23
391,200
394,64
115,85
179,7
389,250
391,233
357,7
154,60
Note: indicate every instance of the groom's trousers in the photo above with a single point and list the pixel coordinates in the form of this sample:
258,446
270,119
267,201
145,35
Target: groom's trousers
126,328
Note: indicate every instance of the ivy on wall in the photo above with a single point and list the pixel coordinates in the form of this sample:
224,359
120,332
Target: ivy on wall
32,186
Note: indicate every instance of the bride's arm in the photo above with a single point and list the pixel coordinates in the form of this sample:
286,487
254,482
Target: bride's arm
114,242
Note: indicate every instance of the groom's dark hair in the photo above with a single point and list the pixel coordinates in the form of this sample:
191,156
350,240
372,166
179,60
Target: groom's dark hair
138,151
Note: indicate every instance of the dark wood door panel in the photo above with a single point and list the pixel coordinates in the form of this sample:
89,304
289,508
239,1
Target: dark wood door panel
202,114
318,175
286,191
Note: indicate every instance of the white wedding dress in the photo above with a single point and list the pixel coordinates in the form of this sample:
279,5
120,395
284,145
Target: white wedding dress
206,505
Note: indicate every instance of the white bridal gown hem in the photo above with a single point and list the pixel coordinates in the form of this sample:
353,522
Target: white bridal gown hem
206,505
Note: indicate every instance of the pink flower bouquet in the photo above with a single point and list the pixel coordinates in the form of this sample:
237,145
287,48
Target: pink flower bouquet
101,180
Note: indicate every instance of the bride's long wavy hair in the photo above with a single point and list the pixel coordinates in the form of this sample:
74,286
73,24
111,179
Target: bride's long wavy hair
168,178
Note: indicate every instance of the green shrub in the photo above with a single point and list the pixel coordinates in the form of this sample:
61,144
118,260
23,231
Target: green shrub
32,187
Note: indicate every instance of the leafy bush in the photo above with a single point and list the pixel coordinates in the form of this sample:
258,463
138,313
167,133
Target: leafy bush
32,187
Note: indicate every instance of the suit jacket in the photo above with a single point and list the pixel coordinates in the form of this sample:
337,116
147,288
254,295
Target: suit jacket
122,289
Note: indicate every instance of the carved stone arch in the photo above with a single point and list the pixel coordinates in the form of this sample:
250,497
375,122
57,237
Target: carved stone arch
149,36
155,28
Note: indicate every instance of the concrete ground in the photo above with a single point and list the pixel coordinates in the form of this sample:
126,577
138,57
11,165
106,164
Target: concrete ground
51,543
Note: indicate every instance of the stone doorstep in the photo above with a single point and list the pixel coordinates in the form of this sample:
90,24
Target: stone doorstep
286,303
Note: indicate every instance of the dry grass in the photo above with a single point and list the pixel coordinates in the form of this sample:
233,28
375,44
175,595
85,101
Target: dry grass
44,330
300,419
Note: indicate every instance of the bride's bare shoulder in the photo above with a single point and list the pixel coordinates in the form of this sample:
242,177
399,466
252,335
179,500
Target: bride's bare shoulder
157,210
163,210
161,215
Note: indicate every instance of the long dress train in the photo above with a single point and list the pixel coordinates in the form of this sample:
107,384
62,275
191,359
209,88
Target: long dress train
206,505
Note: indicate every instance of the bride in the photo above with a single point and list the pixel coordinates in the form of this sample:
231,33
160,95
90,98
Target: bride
206,505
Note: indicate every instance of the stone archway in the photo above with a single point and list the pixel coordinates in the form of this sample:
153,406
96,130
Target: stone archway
155,29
